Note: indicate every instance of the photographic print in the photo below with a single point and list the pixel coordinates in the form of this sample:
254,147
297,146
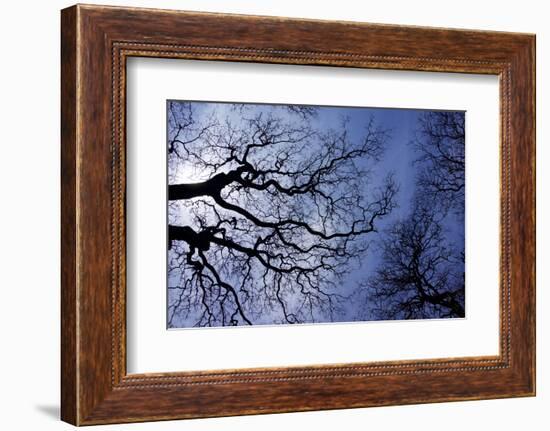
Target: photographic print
301,214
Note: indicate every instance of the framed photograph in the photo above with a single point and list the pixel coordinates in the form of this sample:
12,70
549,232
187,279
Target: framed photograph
264,214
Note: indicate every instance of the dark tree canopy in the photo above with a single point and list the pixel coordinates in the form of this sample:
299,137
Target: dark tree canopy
267,213
421,272
421,275
440,143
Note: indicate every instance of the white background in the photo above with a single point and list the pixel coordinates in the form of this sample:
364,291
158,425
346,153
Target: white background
151,348
29,228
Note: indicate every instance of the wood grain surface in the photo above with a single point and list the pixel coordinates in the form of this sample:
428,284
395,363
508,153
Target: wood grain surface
95,43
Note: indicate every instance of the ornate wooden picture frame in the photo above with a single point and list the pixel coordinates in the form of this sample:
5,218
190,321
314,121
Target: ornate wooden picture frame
96,41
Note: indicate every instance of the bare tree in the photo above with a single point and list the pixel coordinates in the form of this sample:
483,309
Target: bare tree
421,274
267,213
440,143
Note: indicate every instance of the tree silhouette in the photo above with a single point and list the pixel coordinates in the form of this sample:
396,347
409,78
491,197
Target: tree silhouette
421,275
268,212
440,143
421,272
